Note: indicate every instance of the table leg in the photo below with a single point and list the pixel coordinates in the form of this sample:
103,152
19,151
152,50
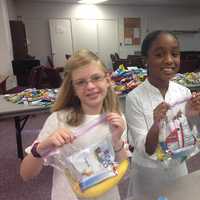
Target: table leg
19,125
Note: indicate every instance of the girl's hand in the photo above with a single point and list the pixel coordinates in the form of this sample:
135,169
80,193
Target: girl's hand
57,139
159,113
193,105
117,124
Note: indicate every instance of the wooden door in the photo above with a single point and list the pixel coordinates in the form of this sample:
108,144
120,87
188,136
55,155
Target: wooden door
19,42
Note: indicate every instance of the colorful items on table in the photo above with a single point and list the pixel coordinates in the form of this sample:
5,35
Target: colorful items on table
189,79
124,80
32,96
162,198
120,71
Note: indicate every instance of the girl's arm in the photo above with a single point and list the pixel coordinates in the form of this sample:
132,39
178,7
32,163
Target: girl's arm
31,166
120,151
152,138
193,105
118,126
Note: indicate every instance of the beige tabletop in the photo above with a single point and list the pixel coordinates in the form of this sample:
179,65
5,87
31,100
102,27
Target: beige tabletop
184,188
9,109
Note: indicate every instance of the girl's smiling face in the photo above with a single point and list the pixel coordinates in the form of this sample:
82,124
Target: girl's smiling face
91,84
163,58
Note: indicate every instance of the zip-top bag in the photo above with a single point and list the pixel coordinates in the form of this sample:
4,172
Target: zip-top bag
91,171
176,138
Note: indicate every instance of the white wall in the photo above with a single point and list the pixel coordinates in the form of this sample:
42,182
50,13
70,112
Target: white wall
11,5
6,55
7,12
36,16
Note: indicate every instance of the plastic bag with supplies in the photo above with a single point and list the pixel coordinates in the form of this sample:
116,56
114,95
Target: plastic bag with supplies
91,171
177,140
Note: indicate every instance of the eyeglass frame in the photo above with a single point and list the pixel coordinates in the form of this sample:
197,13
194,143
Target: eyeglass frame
78,84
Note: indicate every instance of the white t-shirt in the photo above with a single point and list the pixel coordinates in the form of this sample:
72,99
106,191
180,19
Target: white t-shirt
140,104
61,189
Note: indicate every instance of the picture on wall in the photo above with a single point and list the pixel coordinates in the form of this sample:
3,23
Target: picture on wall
132,31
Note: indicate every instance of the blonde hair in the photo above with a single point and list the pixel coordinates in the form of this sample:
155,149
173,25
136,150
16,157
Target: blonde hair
69,101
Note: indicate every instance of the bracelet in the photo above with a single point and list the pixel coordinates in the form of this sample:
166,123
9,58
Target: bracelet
118,150
34,150
41,154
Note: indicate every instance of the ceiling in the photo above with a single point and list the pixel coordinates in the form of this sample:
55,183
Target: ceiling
137,2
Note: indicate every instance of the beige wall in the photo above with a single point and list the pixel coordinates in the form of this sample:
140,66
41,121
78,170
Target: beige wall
37,15
6,55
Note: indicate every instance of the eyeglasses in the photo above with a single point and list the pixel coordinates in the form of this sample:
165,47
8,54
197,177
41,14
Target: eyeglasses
95,79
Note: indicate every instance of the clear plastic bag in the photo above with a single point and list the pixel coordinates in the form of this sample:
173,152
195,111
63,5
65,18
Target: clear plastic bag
91,171
177,140
92,165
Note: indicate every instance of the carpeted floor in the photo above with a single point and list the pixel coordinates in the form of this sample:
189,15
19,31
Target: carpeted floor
11,185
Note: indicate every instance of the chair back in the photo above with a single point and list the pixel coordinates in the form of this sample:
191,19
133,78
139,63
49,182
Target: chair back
45,77
3,86
117,56
50,62
112,57
53,76
67,56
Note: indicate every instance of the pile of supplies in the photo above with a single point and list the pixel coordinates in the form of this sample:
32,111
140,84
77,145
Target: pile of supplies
124,80
33,96
189,79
